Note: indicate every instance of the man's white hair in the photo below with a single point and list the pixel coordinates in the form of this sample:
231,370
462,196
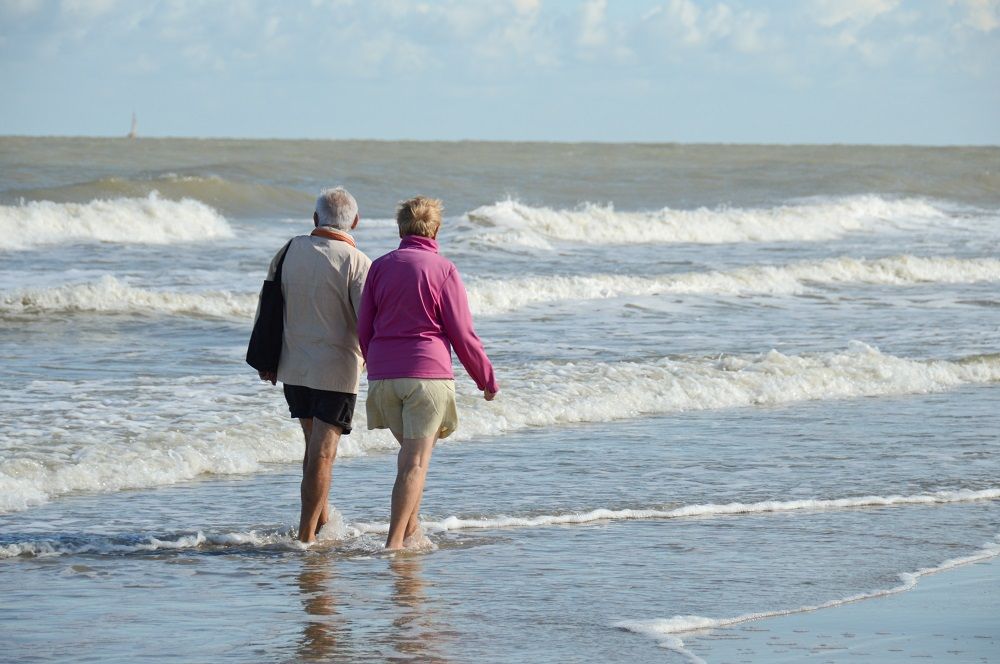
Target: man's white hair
337,208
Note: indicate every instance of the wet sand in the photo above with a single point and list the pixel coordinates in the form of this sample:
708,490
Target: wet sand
953,616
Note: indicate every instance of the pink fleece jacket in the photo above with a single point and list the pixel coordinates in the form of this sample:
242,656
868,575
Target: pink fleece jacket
414,309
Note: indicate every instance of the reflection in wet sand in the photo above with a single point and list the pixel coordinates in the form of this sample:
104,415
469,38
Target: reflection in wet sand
324,634
416,631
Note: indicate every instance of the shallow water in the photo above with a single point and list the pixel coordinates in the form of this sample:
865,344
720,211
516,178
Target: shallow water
736,380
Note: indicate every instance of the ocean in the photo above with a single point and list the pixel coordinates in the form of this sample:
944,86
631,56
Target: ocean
737,382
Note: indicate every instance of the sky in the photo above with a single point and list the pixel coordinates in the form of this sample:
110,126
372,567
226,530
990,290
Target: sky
733,71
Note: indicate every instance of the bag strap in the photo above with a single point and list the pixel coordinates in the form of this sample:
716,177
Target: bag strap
281,262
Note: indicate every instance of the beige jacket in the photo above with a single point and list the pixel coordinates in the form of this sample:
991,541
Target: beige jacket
321,280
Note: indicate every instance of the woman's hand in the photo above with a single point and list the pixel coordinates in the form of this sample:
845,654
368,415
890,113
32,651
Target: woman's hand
489,395
269,376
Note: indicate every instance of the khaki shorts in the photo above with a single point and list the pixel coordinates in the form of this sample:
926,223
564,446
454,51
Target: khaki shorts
412,407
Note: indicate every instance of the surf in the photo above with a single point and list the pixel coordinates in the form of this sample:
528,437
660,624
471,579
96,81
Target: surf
149,220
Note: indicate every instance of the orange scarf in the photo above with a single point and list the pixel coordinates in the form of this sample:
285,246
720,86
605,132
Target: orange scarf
333,234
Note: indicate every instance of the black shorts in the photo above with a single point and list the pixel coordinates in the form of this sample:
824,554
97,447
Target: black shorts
335,408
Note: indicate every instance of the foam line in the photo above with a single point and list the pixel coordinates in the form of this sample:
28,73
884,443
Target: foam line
339,531
666,629
695,511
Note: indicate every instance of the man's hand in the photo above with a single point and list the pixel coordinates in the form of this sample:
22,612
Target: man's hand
489,395
269,377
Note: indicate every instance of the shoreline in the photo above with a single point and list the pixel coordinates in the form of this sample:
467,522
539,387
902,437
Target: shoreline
943,617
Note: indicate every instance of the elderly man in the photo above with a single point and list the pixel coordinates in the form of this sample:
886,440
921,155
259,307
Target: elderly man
322,277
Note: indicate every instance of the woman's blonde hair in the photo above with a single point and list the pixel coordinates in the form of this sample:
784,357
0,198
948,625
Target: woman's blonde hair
419,216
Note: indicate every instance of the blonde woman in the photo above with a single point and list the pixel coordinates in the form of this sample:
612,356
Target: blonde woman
414,310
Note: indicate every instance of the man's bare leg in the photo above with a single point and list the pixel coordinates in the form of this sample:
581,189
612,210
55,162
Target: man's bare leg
411,473
307,425
321,452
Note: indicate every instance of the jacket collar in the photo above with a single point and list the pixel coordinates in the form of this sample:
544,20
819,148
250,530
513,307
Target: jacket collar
418,242
333,234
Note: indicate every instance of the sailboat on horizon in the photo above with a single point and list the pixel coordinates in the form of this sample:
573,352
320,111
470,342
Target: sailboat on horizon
135,126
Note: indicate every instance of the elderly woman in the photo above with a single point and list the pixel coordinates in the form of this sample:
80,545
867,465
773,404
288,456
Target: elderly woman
414,310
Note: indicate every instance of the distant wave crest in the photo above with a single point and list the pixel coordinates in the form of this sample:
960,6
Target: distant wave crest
231,196
110,295
512,222
493,297
149,220
490,297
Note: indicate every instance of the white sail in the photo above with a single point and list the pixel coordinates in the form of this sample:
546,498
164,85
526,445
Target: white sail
131,132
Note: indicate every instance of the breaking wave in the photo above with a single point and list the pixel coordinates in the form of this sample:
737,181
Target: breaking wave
235,428
488,297
492,297
109,295
149,220
233,197
511,222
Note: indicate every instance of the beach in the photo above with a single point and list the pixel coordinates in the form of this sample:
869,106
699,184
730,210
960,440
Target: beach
747,409
946,618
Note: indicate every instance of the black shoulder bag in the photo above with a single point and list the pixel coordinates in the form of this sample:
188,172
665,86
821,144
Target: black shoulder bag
264,348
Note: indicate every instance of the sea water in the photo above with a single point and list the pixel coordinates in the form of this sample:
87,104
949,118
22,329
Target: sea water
737,381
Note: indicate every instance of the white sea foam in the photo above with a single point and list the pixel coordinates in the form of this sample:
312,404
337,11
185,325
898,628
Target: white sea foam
508,222
104,545
665,630
149,220
489,297
549,393
114,436
110,295
499,296
695,511
338,531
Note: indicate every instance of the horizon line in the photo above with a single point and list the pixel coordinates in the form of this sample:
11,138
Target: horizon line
123,137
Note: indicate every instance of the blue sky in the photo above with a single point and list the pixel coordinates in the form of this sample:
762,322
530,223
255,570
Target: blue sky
780,71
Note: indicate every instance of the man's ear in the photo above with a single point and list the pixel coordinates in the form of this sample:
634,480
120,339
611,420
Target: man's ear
315,219
357,218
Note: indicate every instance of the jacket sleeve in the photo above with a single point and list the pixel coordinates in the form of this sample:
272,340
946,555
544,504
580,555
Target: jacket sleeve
366,313
357,286
457,321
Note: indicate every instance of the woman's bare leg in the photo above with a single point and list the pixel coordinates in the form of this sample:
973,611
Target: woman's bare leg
411,473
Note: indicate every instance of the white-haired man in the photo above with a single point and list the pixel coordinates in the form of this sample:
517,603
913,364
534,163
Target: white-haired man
322,277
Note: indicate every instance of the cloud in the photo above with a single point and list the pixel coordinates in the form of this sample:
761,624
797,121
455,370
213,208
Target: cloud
981,15
20,7
830,13
689,24
86,8
592,30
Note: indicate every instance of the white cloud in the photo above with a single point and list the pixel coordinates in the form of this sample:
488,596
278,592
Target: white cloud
592,30
694,25
981,15
830,13
86,8
527,6
20,7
